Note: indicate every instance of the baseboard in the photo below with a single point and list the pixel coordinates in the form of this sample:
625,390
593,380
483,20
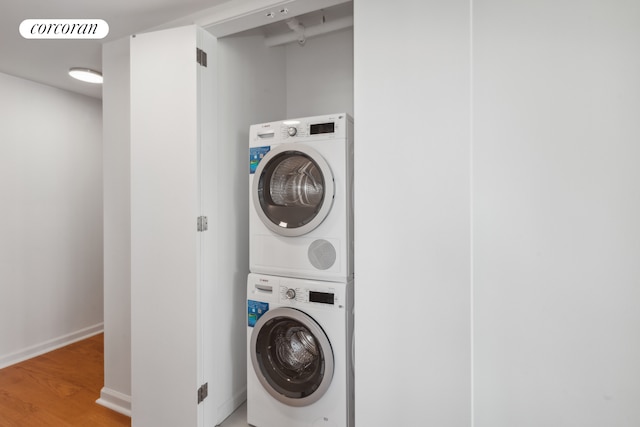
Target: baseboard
228,407
47,346
115,401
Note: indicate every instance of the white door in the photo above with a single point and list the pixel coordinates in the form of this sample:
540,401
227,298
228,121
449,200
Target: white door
172,262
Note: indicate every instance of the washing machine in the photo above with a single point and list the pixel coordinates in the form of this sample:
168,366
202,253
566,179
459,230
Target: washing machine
300,355
301,185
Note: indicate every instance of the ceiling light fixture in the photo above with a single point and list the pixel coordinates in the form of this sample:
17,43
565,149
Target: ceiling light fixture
86,75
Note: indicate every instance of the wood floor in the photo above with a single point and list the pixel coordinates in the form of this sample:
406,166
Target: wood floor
58,389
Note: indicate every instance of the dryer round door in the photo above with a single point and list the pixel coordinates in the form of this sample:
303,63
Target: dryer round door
293,189
292,356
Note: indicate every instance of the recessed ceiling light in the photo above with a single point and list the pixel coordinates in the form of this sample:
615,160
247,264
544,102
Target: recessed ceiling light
86,75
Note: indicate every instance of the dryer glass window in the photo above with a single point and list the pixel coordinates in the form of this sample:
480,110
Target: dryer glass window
290,357
291,189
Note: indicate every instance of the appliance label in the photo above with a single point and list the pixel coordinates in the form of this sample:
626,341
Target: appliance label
256,154
255,310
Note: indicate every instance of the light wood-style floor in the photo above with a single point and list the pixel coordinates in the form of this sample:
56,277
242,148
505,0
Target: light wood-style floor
58,389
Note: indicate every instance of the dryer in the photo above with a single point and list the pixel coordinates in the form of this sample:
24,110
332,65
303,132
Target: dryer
300,360
301,197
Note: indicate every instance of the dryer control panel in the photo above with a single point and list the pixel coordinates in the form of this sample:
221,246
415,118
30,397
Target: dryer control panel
318,127
305,295
291,128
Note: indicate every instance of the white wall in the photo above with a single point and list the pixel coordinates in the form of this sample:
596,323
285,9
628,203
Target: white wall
412,225
51,218
555,201
320,75
556,209
116,393
251,89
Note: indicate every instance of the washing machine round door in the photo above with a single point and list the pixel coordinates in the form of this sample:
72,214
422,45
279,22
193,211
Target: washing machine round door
293,189
291,356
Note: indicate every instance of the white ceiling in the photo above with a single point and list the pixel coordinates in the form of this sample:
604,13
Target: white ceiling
47,61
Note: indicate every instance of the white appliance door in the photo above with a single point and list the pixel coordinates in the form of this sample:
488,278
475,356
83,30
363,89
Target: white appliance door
291,356
293,189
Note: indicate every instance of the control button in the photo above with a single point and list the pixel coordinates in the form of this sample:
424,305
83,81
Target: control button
291,293
292,131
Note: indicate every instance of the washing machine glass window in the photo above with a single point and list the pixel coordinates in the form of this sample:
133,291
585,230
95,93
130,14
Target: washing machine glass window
292,356
293,190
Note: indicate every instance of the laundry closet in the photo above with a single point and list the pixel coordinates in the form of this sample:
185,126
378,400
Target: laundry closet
195,91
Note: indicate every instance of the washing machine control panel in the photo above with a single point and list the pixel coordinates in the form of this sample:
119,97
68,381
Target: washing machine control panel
305,295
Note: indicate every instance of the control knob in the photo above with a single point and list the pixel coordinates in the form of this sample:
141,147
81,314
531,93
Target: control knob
290,294
292,131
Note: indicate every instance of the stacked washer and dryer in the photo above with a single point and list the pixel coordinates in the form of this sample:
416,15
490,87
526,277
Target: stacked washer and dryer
300,289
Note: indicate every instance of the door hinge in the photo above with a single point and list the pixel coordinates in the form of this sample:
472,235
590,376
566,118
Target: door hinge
203,223
201,57
203,392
